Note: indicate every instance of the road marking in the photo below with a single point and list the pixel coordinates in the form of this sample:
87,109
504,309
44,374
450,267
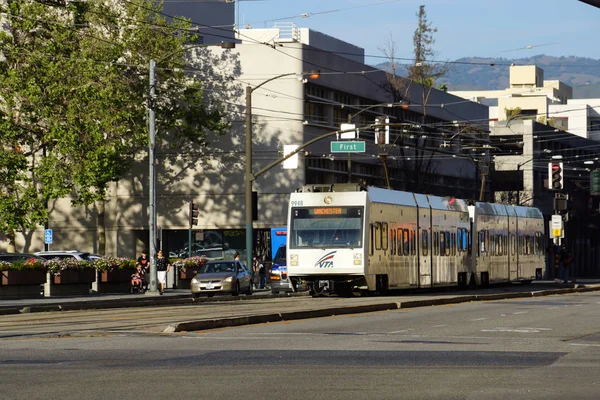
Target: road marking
520,312
439,326
403,330
584,344
478,319
515,330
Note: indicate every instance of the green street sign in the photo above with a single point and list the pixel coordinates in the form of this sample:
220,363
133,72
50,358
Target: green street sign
347,147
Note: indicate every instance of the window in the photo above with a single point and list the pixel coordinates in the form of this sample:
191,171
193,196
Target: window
442,244
425,243
384,236
513,244
377,236
413,242
435,246
393,242
406,242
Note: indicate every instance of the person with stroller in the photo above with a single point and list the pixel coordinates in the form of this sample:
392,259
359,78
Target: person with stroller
137,279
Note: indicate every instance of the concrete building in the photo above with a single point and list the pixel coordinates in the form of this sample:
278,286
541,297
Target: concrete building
541,100
426,149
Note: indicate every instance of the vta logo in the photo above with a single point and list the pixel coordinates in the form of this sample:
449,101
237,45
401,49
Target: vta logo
326,261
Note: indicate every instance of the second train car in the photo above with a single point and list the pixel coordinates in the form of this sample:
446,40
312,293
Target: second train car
344,238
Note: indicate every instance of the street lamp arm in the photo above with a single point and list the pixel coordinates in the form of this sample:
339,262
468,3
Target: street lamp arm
300,148
271,79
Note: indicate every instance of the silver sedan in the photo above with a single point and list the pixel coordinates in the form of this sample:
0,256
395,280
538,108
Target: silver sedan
222,277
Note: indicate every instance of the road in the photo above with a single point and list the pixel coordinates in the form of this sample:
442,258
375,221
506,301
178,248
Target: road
530,348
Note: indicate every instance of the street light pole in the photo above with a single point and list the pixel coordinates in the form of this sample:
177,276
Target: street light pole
152,288
519,169
249,176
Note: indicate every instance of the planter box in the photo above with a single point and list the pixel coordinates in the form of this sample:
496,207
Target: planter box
118,275
85,275
29,277
188,273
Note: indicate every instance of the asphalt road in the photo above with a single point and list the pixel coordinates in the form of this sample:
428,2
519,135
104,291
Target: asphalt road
529,348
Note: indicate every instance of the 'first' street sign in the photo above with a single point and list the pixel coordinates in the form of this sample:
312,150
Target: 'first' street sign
347,147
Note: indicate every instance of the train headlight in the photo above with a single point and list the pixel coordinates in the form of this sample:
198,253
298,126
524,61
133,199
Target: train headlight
357,258
294,259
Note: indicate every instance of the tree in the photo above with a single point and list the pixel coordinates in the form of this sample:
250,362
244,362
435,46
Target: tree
417,162
73,99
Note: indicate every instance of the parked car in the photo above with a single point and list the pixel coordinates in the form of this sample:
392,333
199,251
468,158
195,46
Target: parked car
12,257
62,254
278,275
229,276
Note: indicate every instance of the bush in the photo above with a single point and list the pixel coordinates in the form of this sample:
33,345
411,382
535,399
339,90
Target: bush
113,263
23,265
192,262
56,264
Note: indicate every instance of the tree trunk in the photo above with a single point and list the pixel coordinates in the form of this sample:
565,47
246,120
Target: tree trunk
101,227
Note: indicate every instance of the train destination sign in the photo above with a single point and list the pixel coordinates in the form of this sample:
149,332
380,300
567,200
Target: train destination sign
348,147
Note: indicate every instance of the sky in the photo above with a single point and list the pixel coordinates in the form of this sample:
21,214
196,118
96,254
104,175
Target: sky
466,28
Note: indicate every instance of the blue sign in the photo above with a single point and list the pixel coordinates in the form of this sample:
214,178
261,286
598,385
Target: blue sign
48,236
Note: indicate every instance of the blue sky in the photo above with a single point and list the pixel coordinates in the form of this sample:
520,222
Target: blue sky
483,28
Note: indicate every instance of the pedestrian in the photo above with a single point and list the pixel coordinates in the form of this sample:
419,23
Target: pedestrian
564,261
262,275
236,256
144,262
162,267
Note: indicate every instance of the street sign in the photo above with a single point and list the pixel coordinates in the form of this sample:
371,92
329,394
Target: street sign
48,236
556,221
347,147
351,134
557,227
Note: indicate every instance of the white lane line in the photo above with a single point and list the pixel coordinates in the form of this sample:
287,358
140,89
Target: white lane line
584,344
552,308
401,331
520,312
514,330
478,319
439,326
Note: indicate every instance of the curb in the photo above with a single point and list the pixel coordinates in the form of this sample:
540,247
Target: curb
216,323
275,317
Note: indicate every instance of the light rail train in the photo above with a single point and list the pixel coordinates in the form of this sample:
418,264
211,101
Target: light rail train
344,238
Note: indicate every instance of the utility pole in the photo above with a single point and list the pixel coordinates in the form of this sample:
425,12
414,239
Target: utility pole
152,289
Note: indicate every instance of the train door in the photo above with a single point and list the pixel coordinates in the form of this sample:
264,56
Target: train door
511,248
424,240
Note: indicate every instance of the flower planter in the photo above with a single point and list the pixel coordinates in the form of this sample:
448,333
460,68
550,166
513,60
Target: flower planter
21,284
28,277
187,273
69,276
117,275
70,282
115,281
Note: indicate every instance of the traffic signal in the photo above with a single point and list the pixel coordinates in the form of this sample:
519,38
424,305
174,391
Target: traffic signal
595,182
194,211
555,172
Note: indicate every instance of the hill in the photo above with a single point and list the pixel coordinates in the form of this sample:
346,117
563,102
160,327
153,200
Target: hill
476,73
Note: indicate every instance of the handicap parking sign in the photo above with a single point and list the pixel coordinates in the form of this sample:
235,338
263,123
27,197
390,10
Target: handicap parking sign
48,236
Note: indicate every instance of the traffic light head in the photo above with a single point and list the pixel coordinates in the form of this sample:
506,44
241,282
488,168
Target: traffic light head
555,172
194,211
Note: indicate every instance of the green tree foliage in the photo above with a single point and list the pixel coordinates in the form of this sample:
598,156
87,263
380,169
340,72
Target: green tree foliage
74,94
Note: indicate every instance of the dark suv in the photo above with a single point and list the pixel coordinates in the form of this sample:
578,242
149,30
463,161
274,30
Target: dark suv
278,276
62,254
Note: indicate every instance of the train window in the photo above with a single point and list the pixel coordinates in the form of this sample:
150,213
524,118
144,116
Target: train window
399,241
442,244
481,247
448,243
424,243
487,241
405,242
377,240
413,242
392,242
500,245
453,243
459,240
384,236
466,242
434,243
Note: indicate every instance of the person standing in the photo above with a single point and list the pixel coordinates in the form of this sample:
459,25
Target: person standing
564,261
162,267
144,262
236,256
262,275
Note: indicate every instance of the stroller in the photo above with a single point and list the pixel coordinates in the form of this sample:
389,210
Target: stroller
138,282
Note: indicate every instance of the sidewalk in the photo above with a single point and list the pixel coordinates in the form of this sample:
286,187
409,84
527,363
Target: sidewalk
396,300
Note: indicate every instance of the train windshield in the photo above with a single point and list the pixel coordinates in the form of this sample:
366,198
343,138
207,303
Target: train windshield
326,227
